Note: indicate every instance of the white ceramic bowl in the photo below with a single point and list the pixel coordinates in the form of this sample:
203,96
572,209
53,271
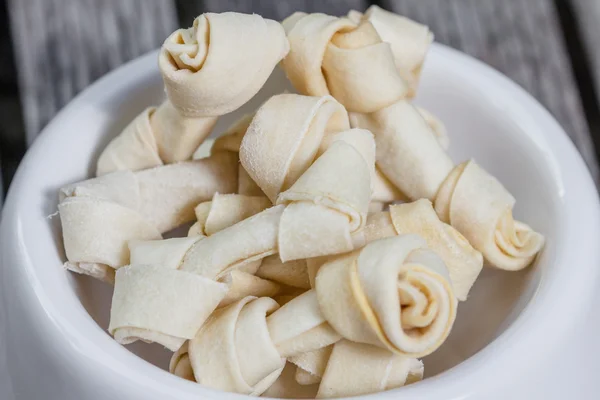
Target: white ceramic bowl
54,340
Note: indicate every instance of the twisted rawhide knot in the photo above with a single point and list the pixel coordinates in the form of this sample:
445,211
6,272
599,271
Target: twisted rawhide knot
463,262
188,48
100,216
327,54
234,352
209,70
158,135
276,151
408,39
222,272
477,205
394,294
327,206
221,62
390,301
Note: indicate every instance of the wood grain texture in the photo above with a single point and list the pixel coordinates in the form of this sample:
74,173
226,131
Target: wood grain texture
61,46
274,9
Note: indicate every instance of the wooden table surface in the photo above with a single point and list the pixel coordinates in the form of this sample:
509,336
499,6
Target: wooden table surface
61,46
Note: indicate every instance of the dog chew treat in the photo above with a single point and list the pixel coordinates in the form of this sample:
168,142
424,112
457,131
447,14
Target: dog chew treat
250,348
310,366
355,369
158,135
225,210
419,297
221,62
479,207
158,304
384,191
409,41
296,328
99,216
231,140
132,318
327,54
291,273
464,263
304,336
275,151
299,326
168,194
234,352
240,372
229,50
394,293
327,204
96,232
236,246
167,253
408,153
242,284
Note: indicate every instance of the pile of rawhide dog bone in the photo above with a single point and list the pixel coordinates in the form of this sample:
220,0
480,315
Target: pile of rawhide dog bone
333,235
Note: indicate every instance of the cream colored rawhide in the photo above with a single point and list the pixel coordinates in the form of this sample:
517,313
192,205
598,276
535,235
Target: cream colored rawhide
479,207
231,140
209,70
234,352
325,57
326,205
138,313
99,216
355,369
157,304
409,41
464,263
276,151
394,293
328,53
330,236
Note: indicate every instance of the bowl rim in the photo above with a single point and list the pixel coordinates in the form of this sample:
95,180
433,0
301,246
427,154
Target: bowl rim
581,213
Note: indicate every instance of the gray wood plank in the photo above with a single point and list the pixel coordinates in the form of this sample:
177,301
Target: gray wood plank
76,41
61,46
520,38
274,9
12,143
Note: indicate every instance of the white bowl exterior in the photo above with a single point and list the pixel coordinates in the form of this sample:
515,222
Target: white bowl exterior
51,348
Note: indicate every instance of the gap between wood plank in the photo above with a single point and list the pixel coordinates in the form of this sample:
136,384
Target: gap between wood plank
580,64
12,130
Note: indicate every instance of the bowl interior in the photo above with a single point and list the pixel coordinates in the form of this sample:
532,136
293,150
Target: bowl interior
478,127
